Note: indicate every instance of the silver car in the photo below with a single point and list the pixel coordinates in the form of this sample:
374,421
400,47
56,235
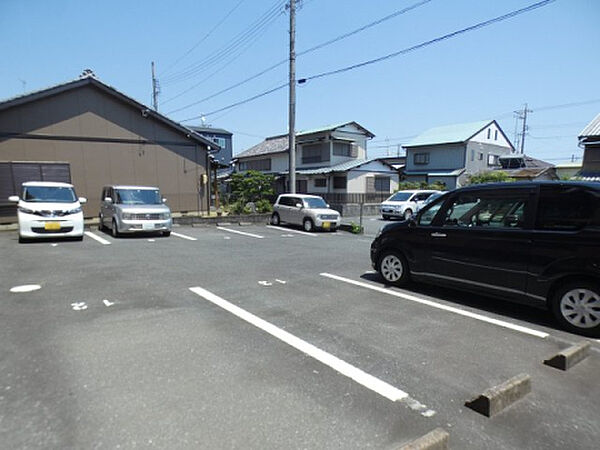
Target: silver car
131,209
310,211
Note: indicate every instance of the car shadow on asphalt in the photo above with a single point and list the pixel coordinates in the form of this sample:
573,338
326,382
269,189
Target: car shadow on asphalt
135,235
526,313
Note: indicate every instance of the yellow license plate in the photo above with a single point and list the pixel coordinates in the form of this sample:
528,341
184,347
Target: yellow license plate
52,226
326,224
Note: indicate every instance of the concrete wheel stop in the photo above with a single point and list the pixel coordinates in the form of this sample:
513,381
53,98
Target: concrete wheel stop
497,398
434,440
568,357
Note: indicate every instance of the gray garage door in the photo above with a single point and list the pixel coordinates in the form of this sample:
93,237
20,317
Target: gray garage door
13,174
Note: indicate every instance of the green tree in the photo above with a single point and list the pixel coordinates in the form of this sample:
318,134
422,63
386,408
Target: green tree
251,186
491,176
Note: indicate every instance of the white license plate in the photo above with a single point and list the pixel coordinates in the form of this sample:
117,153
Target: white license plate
148,226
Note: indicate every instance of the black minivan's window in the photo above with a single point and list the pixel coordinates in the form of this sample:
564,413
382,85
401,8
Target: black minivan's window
487,210
567,208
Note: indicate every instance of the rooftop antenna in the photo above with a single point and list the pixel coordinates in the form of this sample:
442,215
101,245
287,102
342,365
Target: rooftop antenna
23,83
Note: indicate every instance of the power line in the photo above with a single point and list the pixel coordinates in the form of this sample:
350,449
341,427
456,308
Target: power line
432,41
248,44
206,36
392,55
262,94
236,42
567,105
304,52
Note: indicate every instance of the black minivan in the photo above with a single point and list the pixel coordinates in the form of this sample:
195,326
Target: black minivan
529,242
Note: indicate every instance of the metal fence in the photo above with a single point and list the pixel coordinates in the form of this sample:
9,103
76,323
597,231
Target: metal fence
344,198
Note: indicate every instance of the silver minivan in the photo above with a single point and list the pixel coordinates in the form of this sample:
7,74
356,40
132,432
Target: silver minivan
310,211
131,209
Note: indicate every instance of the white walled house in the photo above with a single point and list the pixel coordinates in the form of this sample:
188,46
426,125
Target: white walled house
449,154
329,160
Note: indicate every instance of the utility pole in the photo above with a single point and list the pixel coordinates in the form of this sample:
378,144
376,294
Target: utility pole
292,101
155,90
522,115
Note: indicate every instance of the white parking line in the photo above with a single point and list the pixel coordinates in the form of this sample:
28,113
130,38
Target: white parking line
369,381
451,309
97,238
241,232
292,230
183,236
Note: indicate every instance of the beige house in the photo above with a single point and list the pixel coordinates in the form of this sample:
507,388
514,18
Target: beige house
88,133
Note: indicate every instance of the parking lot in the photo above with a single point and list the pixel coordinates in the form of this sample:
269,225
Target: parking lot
266,337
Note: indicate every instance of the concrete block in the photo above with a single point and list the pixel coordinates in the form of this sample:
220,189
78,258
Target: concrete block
434,440
567,358
497,398
245,224
223,224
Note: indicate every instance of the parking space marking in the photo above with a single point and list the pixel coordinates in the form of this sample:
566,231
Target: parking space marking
292,230
257,236
97,238
451,309
183,236
369,381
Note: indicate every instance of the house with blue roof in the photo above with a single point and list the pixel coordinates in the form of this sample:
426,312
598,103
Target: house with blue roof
329,160
449,154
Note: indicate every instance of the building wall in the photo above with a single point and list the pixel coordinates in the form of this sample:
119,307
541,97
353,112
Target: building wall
591,159
495,137
478,153
106,141
441,157
224,155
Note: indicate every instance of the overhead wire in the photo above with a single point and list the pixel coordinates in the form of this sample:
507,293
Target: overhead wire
304,52
430,42
231,46
204,38
391,55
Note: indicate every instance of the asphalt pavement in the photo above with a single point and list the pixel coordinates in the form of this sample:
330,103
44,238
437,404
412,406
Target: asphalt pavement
266,337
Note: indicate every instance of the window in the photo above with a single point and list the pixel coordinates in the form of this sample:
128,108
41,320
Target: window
342,149
321,182
256,164
472,155
493,160
382,184
567,208
315,153
219,141
421,196
339,182
480,156
421,158
301,186
489,133
487,210
426,217
495,135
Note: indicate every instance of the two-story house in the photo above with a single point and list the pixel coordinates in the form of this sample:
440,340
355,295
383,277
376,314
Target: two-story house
589,139
329,160
223,138
449,154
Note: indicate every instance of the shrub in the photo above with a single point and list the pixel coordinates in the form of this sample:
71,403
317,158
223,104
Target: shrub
355,228
264,206
491,176
413,185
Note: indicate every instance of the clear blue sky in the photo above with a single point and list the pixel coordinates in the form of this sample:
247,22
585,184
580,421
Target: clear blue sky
546,57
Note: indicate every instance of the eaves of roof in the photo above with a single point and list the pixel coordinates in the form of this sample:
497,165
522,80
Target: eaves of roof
591,129
93,81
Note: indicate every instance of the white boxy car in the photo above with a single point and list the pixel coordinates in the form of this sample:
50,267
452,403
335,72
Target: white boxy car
48,209
310,211
404,204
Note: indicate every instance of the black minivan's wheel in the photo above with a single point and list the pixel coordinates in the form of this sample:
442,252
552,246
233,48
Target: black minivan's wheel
393,268
275,219
576,305
308,225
